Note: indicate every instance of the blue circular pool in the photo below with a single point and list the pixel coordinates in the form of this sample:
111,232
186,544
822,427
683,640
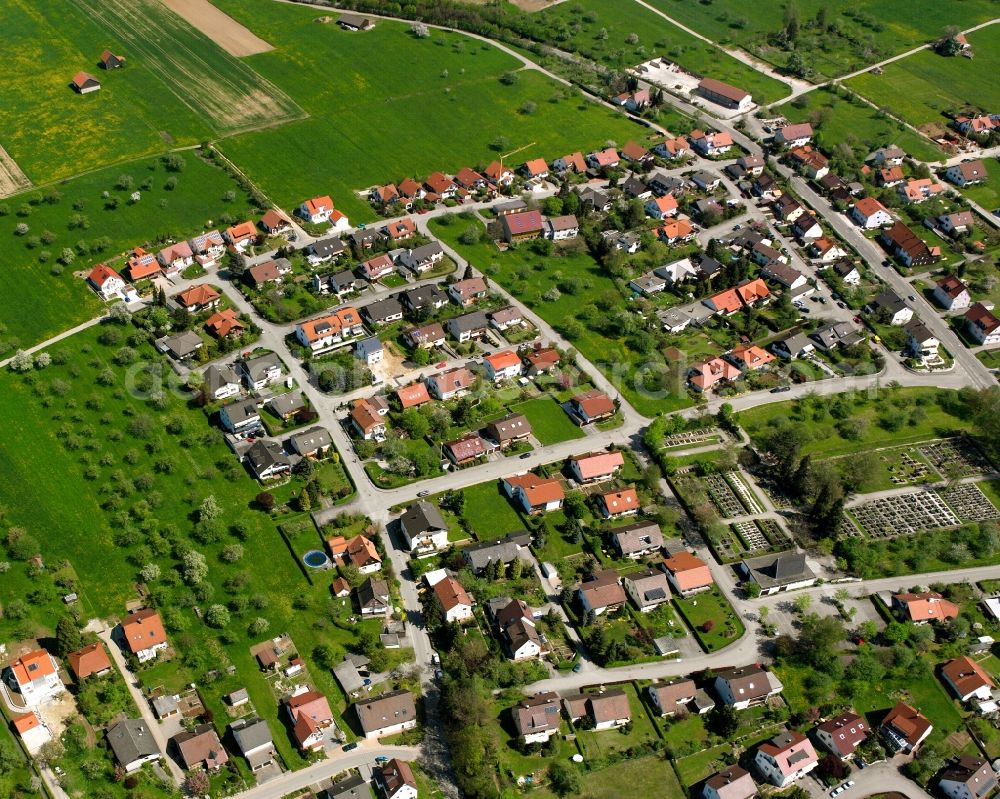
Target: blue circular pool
315,559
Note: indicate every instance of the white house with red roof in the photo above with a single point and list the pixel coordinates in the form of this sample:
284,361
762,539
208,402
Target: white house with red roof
595,466
108,284
32,731
454,600
311,717
502,366
615,504
533,493
35,675
842,734
176,256
317,210
785,758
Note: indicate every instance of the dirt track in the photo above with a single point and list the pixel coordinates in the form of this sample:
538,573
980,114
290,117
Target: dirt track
12,179
221,28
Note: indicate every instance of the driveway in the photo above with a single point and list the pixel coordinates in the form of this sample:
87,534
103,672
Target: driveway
140,701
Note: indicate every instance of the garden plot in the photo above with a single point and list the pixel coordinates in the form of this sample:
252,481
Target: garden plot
904,515
970,503
723,496
956,457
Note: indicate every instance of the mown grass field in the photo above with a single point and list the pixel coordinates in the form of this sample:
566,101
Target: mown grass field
856,124
921,88
109,480
36,303
384,104
549,421
579,24
905,26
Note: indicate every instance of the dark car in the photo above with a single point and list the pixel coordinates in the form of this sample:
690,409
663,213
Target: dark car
350,746
525,455
780,389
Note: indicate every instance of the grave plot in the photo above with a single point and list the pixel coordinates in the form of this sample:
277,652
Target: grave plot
742,490
904,469
694,438
969,503
723,496
956,457
848,529
904,515
728,546
751,536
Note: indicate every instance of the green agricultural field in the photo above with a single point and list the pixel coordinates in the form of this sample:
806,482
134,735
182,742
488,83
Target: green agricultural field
922,88
644,380
599,30
111,479
420,106
644,776
921,413
549,421
177,87
872,29
855,123
42,297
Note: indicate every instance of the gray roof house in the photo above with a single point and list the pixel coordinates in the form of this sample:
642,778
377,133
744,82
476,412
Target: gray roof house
382,312
181,346
423,527
794,345
637,539
261,370
424,298
422,258
348,677
133,744
505,549
241,416
468,325
309,441
284,405
838,334
353,787
266,459
221,382
647,589
373,597
782,571
253,739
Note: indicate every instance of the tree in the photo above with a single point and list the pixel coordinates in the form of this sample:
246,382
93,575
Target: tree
195,567
196,784
419,30
565,778
209,509
22,362
217,616
723,721
265,501
150,573
68,637
516,569
258,626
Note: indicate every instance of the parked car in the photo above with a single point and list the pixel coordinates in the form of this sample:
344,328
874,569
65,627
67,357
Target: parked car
423,493
381,760
578,667
525,455
350,746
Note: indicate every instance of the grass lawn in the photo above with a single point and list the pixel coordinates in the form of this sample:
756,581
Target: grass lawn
855,123
37,303
489,513
644,776
549,421
991,358
578,27
987,194
922,409
604,743
867,22
710,606
444,91
701,765
114,482
528,276
923,87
